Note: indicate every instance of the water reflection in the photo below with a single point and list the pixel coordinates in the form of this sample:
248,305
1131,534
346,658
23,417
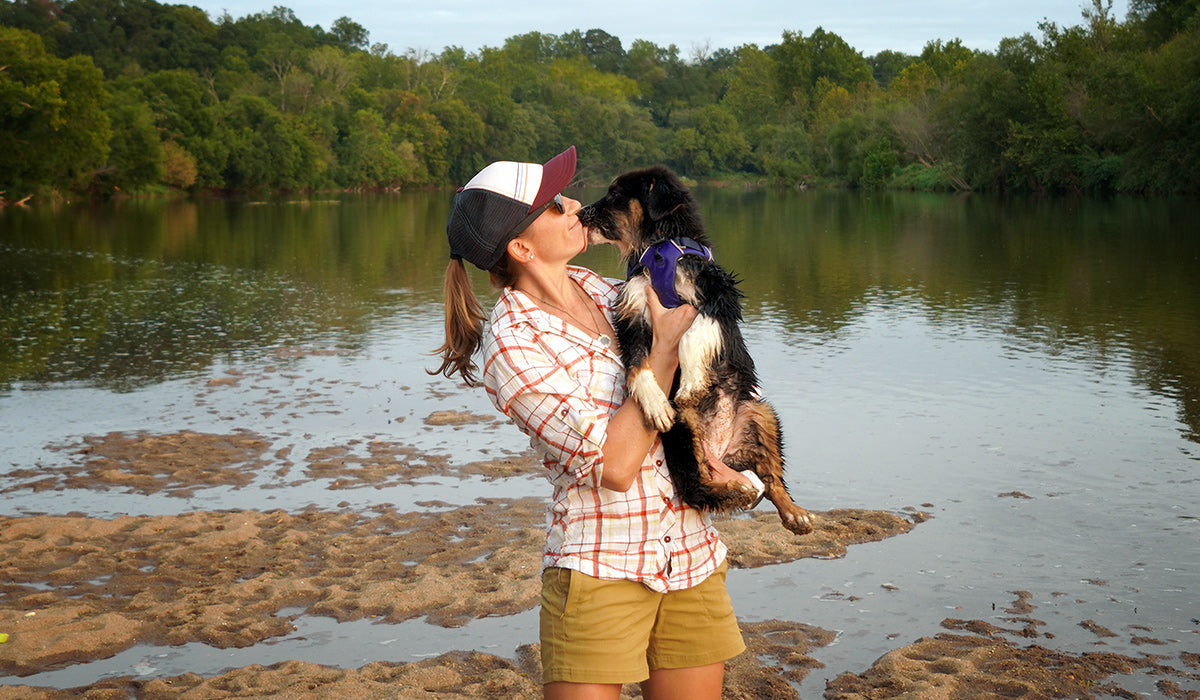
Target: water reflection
1087,278
134,292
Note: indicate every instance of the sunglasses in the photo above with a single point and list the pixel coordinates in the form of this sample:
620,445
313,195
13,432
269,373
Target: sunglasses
524,223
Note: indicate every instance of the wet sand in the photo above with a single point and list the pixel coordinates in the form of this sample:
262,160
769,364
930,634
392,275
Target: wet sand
76,588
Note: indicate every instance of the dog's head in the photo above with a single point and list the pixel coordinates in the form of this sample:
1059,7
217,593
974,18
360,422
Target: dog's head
641,208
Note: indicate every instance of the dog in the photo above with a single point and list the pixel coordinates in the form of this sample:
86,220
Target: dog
714,411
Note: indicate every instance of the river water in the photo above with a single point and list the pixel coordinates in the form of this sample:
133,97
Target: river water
1026,371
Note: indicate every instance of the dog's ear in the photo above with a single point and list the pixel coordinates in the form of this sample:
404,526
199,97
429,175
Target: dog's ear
663,195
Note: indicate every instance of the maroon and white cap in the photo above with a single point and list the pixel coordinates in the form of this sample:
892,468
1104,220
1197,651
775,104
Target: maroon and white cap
499,202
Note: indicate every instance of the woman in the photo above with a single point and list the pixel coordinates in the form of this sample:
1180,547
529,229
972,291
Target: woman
633,584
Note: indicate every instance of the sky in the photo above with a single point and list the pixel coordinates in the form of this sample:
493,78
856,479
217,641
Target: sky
869,26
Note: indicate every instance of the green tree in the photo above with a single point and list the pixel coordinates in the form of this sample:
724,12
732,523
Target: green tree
887,65
977,112
913,96
604,52
601,49
54,131
1166,156
41,18
504,93
465,139
410,121
136,157
333,73
595,111
714,143
785,154
802,63
1100,107
374,155
234,76
751,92
131,36
837,62
185,111
348,34
946,58
665,82
879,161
267,149
1163,19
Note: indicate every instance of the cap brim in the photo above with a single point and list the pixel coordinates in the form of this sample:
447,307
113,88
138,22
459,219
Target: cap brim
556,175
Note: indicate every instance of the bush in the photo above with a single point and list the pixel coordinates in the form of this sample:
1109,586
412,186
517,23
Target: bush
942,177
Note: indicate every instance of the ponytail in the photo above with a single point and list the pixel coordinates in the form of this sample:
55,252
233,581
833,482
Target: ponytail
465,317
464,326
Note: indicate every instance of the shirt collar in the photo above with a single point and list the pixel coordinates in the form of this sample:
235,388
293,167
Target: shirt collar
516,309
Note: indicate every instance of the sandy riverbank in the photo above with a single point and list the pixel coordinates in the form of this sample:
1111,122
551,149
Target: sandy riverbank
75,588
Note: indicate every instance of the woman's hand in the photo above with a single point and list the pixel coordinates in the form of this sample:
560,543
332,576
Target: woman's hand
668,325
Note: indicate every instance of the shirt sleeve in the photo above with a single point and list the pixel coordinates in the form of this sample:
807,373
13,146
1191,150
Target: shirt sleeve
528,384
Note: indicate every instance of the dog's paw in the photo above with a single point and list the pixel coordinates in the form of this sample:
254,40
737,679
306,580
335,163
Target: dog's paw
660,416
799,521
760,489
644,389
735,495
744,496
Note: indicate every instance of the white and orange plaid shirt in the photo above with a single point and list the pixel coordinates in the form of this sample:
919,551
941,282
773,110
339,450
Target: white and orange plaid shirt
560,386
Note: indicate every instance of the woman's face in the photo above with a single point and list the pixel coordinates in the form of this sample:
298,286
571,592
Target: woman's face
556,236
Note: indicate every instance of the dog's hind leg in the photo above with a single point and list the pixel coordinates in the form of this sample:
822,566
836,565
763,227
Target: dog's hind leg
708,440
689,473
733,494
758,445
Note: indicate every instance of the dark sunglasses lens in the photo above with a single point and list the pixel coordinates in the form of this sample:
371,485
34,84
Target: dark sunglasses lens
562,209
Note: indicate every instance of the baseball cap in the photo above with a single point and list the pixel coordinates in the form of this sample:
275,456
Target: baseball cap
494,206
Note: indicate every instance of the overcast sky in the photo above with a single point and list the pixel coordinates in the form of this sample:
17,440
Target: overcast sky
869,26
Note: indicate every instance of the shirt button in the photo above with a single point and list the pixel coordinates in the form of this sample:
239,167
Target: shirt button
667,538
658,462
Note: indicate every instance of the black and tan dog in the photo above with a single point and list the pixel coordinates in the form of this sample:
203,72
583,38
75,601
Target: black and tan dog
714,412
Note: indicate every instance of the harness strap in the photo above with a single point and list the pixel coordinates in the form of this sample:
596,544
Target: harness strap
660,259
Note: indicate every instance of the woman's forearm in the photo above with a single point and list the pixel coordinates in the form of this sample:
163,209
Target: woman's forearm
629,436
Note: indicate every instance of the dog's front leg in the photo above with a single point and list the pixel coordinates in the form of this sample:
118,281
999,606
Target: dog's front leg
635,336
644,388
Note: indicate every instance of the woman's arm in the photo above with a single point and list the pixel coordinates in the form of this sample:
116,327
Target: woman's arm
629,437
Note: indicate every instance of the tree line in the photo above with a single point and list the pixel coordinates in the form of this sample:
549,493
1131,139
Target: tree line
105,96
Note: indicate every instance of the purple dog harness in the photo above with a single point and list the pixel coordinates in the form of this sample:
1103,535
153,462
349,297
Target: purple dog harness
660,259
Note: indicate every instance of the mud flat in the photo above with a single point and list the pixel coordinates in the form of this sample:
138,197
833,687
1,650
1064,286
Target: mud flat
75,588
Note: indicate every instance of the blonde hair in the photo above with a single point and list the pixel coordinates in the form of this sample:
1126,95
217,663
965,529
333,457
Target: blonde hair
465,318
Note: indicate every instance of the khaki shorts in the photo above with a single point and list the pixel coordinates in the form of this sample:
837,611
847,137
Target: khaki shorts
599,631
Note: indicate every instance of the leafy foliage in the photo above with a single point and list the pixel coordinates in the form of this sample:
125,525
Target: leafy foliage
54,131
134,94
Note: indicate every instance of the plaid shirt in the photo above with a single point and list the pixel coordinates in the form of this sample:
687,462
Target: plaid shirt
560,386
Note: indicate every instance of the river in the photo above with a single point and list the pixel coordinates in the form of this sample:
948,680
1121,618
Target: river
1027,371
